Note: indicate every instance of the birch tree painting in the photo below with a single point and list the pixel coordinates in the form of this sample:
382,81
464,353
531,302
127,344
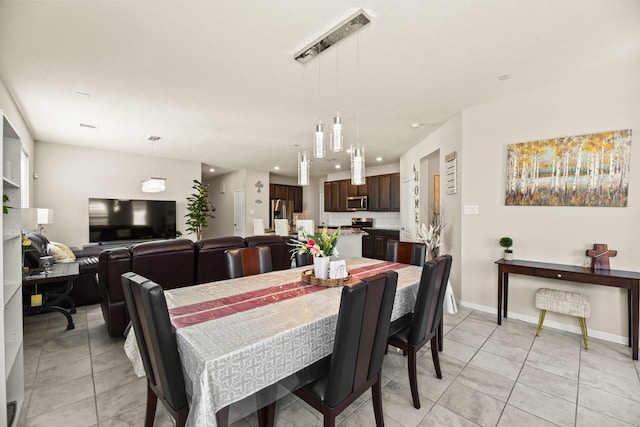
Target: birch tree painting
583,170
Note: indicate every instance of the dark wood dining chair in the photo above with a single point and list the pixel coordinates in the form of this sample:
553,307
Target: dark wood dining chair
358,351
158,349
406,252
422,325
303,259
244,262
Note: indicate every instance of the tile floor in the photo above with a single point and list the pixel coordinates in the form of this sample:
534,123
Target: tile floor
492,376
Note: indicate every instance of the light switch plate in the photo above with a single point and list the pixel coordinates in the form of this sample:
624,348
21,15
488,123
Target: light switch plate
471,209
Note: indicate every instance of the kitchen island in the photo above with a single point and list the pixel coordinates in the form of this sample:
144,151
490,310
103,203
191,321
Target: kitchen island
349,243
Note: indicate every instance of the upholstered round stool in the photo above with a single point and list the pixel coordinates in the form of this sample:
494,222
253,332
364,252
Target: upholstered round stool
564,302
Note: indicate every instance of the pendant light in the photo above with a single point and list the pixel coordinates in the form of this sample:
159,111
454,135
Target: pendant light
336,131
318,139
303,167
357,152
153,184
357,165
303,156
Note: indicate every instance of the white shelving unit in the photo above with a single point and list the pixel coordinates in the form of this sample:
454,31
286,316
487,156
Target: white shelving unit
11,358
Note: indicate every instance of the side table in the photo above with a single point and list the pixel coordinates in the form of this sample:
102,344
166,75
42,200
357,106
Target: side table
54,285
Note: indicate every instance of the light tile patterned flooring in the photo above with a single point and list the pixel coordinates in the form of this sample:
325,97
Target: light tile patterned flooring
492,376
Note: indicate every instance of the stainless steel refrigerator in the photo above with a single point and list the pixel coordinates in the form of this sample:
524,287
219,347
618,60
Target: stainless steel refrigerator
281,209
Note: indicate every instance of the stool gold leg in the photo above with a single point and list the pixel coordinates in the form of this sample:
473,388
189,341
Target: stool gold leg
585,337
540,322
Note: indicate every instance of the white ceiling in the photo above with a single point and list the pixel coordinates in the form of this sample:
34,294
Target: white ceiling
217,81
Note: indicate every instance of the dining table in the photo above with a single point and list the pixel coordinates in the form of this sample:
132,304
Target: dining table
239,336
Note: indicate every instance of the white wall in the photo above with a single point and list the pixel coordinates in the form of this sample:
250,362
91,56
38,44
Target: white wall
221,193
595,103
446,139
70,175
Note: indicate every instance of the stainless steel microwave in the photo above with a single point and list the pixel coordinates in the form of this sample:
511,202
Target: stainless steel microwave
357,203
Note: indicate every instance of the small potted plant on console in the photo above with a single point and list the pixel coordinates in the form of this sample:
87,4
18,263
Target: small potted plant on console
506,243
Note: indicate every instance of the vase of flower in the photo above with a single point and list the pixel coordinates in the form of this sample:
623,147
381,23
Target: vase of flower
321,267
321,246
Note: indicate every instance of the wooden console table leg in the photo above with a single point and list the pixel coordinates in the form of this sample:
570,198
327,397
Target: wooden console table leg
499,305
635,295
506,293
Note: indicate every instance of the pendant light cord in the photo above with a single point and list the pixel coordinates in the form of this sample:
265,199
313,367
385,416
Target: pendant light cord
357,88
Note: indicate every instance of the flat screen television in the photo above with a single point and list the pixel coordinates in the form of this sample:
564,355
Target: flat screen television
124,219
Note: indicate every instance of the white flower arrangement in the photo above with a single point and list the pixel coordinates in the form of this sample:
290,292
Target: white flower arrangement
431,236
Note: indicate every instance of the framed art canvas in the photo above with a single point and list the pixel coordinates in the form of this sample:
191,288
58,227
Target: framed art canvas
582,170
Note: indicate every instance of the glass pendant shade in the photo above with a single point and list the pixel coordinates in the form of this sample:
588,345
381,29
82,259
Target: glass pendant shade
357,165
303,168
318,141
336,134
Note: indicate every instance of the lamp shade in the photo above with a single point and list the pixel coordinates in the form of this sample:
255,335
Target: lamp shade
44,216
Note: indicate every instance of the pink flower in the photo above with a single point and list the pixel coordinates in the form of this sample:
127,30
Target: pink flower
315,250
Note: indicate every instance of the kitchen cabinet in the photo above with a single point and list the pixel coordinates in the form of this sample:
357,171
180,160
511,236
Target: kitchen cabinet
374,245
373,184
384,193
367,245
287,192
357,190
327,196
343,186
277,191
395,192
335,195
295,193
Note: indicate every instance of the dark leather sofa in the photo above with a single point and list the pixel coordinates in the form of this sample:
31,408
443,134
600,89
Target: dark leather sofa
173,264
84,290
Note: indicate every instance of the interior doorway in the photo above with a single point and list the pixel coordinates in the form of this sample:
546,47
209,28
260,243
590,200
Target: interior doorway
238,213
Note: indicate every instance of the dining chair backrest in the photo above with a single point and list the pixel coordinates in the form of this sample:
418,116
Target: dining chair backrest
359,348
303,259
156,339
428,307
243,262
406,252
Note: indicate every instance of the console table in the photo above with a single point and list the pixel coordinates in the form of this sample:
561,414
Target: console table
629,280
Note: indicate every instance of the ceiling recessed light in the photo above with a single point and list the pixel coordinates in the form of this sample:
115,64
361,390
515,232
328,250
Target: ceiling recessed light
277,168
338,166
212,170
503,77
378,159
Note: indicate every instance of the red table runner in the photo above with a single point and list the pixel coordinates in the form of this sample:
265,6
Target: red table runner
192,314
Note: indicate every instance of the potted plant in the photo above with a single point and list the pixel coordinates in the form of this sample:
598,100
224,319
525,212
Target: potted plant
5,208
199,208
506,243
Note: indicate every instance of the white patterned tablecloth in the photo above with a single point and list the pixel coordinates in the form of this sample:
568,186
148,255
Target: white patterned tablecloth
232,357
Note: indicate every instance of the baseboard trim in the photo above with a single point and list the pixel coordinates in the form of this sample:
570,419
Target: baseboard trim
619,339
